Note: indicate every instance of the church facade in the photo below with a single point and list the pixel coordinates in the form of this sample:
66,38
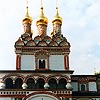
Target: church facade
42,67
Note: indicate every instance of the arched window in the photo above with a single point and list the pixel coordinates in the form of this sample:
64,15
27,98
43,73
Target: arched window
18,83
40,83
9,83
41,64
62,83
82,87
42,60
31,83
52,83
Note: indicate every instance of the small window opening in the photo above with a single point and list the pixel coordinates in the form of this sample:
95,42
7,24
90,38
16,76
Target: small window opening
42,64
82,87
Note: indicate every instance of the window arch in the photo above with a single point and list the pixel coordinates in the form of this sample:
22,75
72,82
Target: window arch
42,64
42,59
18,83
31,83
52,83
9,83
62,83
82,87
40,83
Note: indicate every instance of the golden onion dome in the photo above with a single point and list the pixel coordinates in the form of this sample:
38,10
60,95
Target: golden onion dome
42,19
57,19
27,18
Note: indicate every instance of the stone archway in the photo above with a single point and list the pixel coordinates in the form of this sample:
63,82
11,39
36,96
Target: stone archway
41,96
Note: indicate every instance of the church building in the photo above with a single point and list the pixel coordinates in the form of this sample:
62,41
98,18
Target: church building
42,66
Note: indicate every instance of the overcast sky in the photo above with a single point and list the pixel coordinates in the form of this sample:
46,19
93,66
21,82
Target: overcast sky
81,27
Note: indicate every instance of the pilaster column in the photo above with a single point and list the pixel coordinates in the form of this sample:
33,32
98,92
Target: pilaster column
66,61
18,61
48,62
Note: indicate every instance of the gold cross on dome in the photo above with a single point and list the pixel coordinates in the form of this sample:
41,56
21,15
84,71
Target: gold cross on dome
27,3
56,3
41,3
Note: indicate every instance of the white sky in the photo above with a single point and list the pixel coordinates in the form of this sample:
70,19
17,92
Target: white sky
81,27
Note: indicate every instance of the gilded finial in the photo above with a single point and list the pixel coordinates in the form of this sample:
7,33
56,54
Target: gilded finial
56,3
26,3
41,3
27,18
42,19
57,18
57,13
